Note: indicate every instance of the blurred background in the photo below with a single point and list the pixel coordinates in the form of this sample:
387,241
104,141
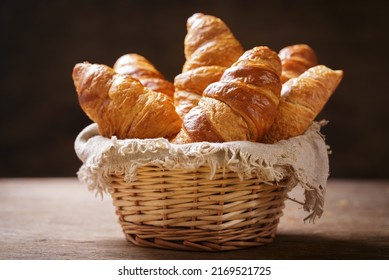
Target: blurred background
41,41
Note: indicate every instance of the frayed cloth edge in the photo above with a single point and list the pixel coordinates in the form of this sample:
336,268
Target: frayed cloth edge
302,160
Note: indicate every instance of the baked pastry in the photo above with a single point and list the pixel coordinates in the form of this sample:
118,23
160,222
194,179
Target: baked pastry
210,48
122,106
189,86
241,106
295,60
302,99
142,69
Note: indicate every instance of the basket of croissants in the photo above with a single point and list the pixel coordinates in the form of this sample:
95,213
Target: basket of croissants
205,163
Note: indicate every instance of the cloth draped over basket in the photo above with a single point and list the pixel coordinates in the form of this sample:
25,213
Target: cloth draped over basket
301,160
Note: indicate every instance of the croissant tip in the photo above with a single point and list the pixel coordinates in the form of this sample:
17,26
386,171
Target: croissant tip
78,72
83,63
79,66
339,72
191,20
196,15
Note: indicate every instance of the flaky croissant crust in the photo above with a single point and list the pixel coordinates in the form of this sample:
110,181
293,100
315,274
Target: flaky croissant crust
122,106
241,106
142,69
210,47
209,42
295,60
302,100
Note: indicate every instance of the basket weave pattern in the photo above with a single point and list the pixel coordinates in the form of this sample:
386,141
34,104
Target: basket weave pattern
185,210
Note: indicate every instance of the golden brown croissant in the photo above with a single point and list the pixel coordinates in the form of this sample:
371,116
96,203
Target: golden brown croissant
122,106
210,48
295,60
142,69
302,100
241,106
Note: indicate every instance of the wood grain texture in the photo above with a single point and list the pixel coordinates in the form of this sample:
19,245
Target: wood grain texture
58,218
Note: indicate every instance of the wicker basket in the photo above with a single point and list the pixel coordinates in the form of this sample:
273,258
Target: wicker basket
186,208
177,209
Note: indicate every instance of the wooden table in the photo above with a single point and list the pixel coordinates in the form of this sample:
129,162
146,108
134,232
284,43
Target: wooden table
58,218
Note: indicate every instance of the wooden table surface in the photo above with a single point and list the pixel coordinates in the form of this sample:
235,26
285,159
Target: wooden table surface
58,218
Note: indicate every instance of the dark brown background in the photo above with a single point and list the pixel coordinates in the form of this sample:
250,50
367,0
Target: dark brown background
42,40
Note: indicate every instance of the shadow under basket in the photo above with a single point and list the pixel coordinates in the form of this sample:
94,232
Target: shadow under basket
185,210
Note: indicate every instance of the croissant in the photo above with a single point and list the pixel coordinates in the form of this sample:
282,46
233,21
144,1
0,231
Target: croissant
241,106
295,60
122,106
302,100
142,69
210,48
